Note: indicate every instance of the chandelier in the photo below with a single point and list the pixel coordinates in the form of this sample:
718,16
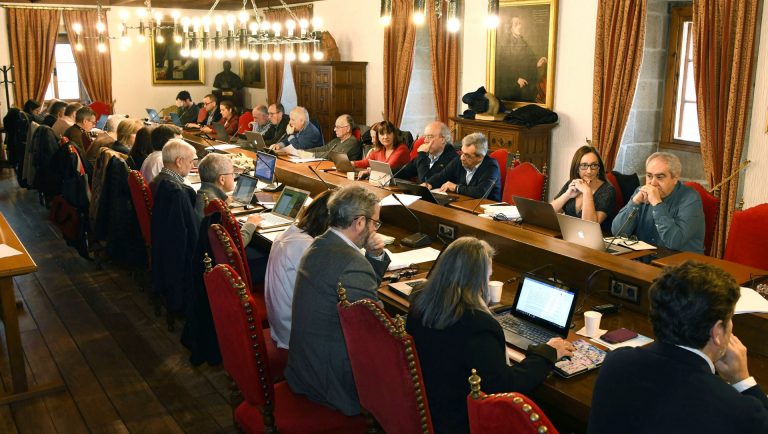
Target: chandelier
453,23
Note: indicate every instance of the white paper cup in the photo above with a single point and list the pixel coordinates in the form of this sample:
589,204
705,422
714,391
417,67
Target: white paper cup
592,322
495,286
351,176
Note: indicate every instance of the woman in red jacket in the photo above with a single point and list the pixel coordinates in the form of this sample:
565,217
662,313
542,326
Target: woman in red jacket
388,149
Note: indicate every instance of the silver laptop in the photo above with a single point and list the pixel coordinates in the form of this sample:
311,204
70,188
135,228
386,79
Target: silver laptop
538,213
176,119
244,189
341,161
153,116
381,173
586,233
286,209
255,139
542,310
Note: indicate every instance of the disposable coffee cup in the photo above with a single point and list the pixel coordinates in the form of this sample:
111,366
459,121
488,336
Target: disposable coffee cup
495,286
592,322
351,176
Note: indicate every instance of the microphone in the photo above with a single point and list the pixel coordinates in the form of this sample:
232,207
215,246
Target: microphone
328,186
485,195
313,169
632,215
417,239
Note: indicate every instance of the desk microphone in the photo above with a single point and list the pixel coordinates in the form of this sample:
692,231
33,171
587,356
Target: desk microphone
485,195
327,186
632,215
418,239
314,169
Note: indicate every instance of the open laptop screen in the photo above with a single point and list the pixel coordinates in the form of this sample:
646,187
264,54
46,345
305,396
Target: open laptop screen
265,167
542,301
290,202
244,189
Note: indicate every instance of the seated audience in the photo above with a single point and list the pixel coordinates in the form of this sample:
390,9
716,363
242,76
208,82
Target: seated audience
153,163
454,331
473,173
278,124
318,363
80,132
387,148
55,112
142,147
344,141
211,107
587,195
126,135
186,108
229,119
63,123
436,152
178,161
260,122
694,378
104,139
302,134
32,109
283,264
668,213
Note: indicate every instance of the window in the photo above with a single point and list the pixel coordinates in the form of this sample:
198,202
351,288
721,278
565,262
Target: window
680,123
65,83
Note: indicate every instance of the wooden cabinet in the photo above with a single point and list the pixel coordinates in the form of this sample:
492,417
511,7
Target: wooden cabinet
331,89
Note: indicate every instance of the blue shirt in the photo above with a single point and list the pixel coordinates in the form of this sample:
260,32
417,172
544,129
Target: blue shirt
676,223
307,138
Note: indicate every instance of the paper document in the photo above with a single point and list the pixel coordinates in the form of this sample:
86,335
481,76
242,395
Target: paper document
751,302
639,341
295,159
437,191
288,150
407,199
6,251
507,211
221,147
404,259
630,244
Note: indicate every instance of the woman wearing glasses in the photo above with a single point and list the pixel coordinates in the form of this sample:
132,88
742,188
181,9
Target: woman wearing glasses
588,195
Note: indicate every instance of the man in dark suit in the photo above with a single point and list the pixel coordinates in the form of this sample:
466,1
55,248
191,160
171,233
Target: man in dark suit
672,386
473,173
318,364
436,152
279,121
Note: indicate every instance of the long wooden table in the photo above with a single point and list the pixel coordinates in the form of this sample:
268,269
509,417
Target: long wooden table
10,267
520,249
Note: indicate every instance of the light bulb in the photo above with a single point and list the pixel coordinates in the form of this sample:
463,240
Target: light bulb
492,21
177,39
242,17
79,47
77,28
317,22
175,15
385,20
100,27
231,53
318,55
101,47
453,25
194,54
184,52
290,56
418,18
219,54
265,56
244,53
207,54
141,38
160,38
304,57
277,55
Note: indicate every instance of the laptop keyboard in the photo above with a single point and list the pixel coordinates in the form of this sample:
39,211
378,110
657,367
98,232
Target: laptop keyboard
521,328
273,220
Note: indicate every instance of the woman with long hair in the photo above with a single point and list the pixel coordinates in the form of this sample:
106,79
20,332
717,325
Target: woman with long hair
387,147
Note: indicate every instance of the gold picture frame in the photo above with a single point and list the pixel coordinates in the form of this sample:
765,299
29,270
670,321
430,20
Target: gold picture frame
168,66
252,73
523,46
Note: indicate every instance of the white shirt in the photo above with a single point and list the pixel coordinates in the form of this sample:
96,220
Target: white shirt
740,386
282,266
152,165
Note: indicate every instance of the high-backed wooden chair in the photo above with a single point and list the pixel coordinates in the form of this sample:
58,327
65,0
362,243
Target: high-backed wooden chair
503,158
267,406
747,237
526,181
141,196
504,413
711,205
386,367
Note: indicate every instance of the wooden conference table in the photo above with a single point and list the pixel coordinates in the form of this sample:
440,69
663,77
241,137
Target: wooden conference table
520,249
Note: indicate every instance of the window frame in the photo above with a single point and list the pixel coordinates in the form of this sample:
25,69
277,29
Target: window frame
62,38
676,54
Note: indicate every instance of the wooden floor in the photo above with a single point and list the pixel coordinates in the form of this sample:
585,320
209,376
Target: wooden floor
89,325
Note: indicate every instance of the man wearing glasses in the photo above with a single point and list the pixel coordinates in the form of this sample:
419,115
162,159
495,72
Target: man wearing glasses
343,142
318,364
473,173
80,132
211,106
667,213
436,152
279,121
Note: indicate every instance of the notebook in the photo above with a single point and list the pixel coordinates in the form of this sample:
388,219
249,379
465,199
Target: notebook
542,310
286,208
586,233
538,213
424,192
341,161
244,189
153,116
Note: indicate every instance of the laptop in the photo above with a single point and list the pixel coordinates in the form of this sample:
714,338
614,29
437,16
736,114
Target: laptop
176,119
424,192
286,209
264,167
342,163
381,173
255,139
153,116
586,233
221,133
542,310
538,213
244,189
102,122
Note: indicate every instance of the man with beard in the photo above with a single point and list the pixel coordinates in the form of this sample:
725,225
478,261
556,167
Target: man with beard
318,364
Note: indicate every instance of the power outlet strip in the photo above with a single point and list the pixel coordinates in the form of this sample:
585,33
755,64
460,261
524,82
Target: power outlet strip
625,291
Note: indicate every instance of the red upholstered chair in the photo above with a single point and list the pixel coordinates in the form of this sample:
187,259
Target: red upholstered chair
202,115
100,108
229,223
711,206
267,406
501,156
357,133
619,201
526,181
415,149
504,413
141,196
244,123
386,367
747,237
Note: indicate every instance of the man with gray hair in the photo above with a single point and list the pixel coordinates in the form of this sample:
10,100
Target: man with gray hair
318,364
301,133
260,122
179,158
344,141
434,155
667,213
473,174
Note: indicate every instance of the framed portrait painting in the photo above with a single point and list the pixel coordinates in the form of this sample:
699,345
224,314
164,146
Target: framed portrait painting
168,66
521,53
252,73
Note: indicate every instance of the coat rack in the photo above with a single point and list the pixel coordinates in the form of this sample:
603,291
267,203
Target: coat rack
5,70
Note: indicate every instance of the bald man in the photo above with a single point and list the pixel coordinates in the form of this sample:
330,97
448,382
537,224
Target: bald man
302,134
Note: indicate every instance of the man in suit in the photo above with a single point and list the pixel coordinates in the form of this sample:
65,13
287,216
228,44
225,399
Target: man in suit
279,121
672,386
318,364
473,173
436,152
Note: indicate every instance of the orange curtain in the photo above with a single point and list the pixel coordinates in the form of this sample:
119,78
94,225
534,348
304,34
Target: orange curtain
445,63
723,62
399,39
94,68
32,34
274,69
618,53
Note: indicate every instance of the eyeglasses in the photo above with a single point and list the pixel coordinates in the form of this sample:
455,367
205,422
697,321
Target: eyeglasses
430,137
338,127
376,223
272,113
585,166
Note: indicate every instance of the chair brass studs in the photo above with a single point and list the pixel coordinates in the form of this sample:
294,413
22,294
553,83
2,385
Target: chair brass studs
543,430
534,417
517,400
527,408
474,384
